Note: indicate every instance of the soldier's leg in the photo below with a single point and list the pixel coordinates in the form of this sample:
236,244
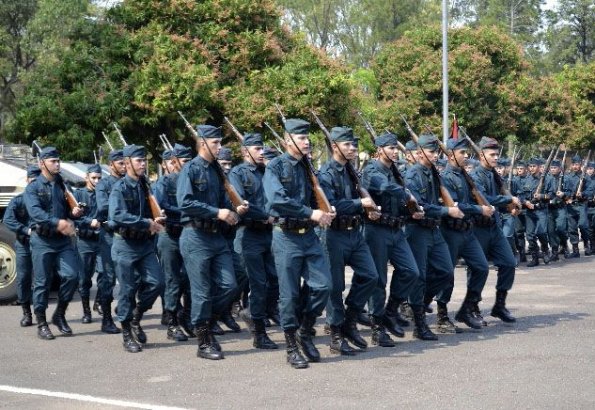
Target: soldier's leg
500,254
573,231
24,267
583,223
531,232
68,263
88,262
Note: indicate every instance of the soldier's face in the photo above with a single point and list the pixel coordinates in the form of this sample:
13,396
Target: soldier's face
490,157
521,171
209,148
137,166
460,155
554,170
347,148
92,179
51,164
391,152
301,140
256,155
533,169
500,170
119,167
431,155
590,171
576,166
226,165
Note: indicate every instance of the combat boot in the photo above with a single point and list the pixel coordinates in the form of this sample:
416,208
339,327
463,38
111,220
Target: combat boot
107,322
206,349
304,339
555,253
363,318
216,329
261,339
166,317
86,311
499,310
575,252
379,335
294,356
350,330
477,314
406,311
97,305
338,344
443,322
392,310
27,319
421,331
465,314
428,304
184,321
137,331
59,319
174,331
588,251
128,340
246,316
43,330
534,260
230,322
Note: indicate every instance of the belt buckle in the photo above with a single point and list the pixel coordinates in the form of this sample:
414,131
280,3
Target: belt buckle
302,231
350,227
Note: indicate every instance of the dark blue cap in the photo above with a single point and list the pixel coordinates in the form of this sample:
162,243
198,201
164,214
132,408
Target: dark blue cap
556,163
95,168
297,126
116,155
534,161
33,171
488,143
576,159
504,162
520,163
385,140
165,155
48,152
181,151
270,153
428,141
224,154
342,134
454,144
411,145
591,164
208,131
252,139
135,151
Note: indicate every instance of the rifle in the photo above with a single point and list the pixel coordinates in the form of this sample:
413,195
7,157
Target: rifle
512,162
235,198
561,179
363,192
321,200
581,182
235,131
412,204
156,212
540,185
95,156
444,194
167,146
109,144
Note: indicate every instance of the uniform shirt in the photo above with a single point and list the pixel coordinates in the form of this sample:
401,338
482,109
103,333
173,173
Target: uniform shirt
486,184
88,197
555,182
102,193
530,184
166,189
389,195
426,190
573,179
128,205
455,182
16,217
340,189
517,183
247,180
287,189
45,202
200,192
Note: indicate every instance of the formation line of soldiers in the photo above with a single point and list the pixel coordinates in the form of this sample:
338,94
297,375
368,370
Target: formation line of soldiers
201,250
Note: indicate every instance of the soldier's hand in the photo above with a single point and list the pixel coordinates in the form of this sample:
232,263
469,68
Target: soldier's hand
455,212
373,215
77,211
161,220
66,227
487,210
515,212
418,215
560,194
95,224
271,220
368,202
324,219
155,227
228,216
242,209
529,205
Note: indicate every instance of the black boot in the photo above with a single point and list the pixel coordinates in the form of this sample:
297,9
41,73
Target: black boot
184,321
534,260
465,314
246,316
338,344
174,331
261,339
230,322
443,322
107,322
206,350
27,319
499,310
273,313
86,311
575,252
294,356
216,329
166,317
97,305
406,311
421,331
477,314
128,340
363,318
428,304
545,250
43,330
304,339
379,335
137,330
350,330
588,251
555,253
59,319
392,310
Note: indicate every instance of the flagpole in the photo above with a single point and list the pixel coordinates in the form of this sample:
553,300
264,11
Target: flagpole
445,116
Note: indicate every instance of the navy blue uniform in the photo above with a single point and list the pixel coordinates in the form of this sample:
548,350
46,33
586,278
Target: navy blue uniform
536,219
558,217
88,243
577,210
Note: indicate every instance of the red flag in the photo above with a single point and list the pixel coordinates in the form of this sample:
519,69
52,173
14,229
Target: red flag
454,133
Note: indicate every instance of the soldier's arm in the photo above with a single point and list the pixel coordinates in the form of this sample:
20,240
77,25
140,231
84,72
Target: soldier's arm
102,199
494,200
450,180
86,219
238,178
276,195
187,201
35,210
120,214
416,186
343,206
10,217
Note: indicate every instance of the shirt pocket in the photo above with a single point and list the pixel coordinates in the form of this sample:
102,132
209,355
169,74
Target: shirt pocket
201,184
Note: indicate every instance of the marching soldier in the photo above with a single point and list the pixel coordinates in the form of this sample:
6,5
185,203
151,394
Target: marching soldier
508,220
16,219
207,257
558,218
296,247
590,197
254,237
577,209
52,243
133,251
346,245
520,221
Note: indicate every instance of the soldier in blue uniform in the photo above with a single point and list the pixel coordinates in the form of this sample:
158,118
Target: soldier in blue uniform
52,242
436,269
590,195
208,260
346,245
16,219
460,238
89,248
254,237
557,216
296,247
488,231
387,242
168,246
520,220
103,303
577,209
508,220
133,250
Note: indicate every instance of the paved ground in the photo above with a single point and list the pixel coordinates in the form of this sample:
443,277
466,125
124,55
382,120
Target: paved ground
547,360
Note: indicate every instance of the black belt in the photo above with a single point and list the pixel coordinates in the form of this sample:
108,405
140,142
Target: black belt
427,222
207,225
394,222
88,234
460,225
23,239
257,225
299,226
46,231
538,205
346,222
174,230
484,221
134,234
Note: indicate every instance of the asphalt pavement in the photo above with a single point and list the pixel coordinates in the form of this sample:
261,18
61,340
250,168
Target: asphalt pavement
546,360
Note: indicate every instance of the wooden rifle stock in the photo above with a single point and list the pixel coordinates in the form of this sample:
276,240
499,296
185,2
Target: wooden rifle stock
581,182
548,163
